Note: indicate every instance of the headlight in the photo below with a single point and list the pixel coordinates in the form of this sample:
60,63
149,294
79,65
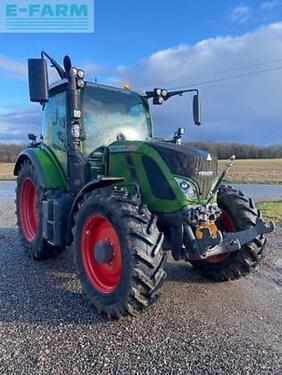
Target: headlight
186,187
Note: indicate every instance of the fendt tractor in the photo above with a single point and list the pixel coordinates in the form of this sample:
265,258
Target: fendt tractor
99,179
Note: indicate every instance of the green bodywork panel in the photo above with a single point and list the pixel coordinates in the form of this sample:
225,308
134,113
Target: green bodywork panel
47,166
53,173
119,167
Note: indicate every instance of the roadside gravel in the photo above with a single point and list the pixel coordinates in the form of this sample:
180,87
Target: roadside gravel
47,326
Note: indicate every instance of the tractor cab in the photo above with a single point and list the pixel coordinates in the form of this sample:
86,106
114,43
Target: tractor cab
108,114
81,119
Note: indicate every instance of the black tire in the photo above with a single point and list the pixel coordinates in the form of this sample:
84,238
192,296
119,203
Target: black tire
143,260
37,248
243,214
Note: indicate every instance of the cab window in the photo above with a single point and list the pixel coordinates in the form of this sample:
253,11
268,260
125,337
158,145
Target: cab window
54,126
108,112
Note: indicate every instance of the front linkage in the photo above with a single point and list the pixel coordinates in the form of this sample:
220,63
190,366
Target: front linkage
194,238
195,235
211,244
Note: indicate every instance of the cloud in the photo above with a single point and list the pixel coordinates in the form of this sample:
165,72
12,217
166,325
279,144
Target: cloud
246,109
266,12
17,122
13,68
241,14
269,5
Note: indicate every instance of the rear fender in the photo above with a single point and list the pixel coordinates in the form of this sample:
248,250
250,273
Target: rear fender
47,168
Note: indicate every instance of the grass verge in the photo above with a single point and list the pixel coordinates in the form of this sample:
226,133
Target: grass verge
272,210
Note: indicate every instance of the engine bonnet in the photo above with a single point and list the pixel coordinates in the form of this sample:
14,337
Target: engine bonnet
187,161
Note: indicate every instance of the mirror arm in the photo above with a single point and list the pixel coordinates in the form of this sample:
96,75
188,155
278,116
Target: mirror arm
54,63
149,94
181,92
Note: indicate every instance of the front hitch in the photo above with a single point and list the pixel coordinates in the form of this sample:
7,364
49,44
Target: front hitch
224,242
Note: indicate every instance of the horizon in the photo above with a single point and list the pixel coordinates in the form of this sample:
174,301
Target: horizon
24,144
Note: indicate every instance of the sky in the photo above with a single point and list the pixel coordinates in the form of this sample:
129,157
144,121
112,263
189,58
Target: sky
167,44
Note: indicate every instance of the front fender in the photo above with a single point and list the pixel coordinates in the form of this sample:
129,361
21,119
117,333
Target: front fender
47,168
90,186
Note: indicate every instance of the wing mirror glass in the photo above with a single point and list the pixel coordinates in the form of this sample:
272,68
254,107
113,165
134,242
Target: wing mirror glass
38,80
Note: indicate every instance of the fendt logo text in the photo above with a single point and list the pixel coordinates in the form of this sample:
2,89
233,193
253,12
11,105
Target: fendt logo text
50,17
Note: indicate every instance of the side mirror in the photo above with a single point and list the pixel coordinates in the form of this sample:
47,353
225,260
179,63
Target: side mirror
180,132
38,80
197,109
178,136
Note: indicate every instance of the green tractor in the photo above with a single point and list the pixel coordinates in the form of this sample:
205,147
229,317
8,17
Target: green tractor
99,179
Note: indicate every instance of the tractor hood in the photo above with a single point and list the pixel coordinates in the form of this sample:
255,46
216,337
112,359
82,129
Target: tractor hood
187,161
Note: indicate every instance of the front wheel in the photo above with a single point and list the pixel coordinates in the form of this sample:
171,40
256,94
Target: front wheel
238,213
118,253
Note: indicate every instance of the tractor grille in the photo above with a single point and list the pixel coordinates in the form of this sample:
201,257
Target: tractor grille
204,181
186,161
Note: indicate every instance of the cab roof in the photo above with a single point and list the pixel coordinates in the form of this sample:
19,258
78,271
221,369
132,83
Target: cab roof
61,85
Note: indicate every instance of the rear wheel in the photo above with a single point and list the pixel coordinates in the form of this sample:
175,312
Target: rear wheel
29,196
238,213
118,253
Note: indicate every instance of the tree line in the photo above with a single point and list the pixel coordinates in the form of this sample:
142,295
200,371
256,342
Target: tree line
241,151
9,152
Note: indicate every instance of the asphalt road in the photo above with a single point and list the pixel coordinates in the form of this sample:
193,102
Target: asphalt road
259,192
197,327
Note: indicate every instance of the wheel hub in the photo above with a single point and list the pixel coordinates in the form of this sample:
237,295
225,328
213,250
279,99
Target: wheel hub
103,252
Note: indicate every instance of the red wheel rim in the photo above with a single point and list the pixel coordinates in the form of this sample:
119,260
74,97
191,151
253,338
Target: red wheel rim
228,226
105,277
29,210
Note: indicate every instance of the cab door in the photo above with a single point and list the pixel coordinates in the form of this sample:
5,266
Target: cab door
54,127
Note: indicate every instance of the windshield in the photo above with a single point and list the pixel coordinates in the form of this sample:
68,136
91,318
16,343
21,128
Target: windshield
108,112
